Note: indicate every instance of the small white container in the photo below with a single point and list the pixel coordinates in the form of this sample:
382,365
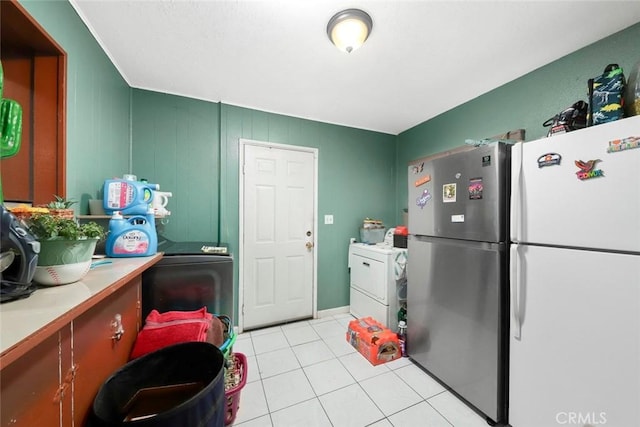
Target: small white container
372,236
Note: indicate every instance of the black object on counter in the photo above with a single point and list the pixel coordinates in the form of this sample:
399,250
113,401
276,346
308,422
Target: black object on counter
16,278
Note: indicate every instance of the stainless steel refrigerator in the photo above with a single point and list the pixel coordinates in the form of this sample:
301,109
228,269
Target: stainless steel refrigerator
457,301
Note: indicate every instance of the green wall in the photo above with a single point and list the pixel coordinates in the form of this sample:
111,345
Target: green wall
355,180
190,147
177,145
97,103
524,103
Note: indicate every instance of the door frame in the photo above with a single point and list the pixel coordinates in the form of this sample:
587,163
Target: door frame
314,292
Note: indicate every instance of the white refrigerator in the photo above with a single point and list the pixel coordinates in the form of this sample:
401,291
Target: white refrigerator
574,347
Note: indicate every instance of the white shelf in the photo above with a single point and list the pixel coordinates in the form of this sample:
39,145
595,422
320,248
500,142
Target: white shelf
109,216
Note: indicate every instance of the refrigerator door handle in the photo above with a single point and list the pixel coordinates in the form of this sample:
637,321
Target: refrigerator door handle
516,192
514,281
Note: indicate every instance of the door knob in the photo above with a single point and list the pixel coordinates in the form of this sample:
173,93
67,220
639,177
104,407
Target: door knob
309,245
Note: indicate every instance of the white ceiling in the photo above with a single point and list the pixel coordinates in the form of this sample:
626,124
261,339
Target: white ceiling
422,58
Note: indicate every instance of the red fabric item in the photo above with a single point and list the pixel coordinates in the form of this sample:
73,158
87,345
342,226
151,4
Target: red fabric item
172,327
155,316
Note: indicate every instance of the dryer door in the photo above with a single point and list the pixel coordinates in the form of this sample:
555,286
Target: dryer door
369,275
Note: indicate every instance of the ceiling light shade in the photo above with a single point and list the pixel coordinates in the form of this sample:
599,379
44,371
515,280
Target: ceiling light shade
349,29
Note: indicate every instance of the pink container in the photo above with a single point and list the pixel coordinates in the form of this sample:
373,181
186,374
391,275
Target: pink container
232,395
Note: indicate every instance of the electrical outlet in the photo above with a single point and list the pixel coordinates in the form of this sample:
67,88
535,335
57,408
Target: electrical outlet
328,219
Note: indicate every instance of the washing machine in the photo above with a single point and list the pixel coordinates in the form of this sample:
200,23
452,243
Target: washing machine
377,275
189,276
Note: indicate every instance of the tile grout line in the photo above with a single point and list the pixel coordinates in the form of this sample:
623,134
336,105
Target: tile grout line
323,339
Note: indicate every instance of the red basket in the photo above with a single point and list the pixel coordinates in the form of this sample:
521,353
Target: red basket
232,395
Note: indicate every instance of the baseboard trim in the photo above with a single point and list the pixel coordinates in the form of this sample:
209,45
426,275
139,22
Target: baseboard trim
333,311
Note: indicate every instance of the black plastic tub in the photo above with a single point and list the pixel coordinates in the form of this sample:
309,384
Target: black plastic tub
177,386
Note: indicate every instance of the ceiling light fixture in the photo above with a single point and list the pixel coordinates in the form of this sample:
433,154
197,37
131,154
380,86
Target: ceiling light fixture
349,29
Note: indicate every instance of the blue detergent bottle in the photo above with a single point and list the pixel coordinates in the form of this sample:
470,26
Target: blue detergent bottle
131,237
129,197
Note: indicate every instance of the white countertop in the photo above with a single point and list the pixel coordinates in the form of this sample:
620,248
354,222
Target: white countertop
22,318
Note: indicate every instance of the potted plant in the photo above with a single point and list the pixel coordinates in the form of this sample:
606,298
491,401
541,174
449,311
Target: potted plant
61,207
66,247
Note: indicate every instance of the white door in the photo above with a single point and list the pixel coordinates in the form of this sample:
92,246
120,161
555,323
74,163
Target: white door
278,234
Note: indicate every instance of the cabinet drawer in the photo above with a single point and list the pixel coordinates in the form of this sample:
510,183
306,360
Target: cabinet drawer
96,355
369,276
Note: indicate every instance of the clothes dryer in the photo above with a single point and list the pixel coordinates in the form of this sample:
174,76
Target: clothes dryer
376,272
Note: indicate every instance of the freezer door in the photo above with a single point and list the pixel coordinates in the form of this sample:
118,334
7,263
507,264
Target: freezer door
457,313
461,195
577,316
559,204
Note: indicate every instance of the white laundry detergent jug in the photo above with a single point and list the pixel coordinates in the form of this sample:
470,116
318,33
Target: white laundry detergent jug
159,204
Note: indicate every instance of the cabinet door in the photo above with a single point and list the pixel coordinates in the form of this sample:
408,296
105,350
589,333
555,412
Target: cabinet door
96,355
30,387
35,76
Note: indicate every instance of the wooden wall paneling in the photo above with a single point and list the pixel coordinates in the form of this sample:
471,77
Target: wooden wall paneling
45,115
17,170
61,117
22,35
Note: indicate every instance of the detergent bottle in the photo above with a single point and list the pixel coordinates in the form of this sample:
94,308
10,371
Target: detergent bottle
130,197
131,237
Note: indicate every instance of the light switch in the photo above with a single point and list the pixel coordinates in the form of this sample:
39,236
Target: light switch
328,219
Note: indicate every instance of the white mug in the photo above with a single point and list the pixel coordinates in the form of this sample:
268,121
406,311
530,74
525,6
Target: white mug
159,204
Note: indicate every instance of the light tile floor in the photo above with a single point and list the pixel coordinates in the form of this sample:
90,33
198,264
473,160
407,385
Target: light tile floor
306,374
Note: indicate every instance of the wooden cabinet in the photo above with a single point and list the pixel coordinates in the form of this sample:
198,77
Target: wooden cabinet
56,382
35,68
51,377
30,386
98,350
